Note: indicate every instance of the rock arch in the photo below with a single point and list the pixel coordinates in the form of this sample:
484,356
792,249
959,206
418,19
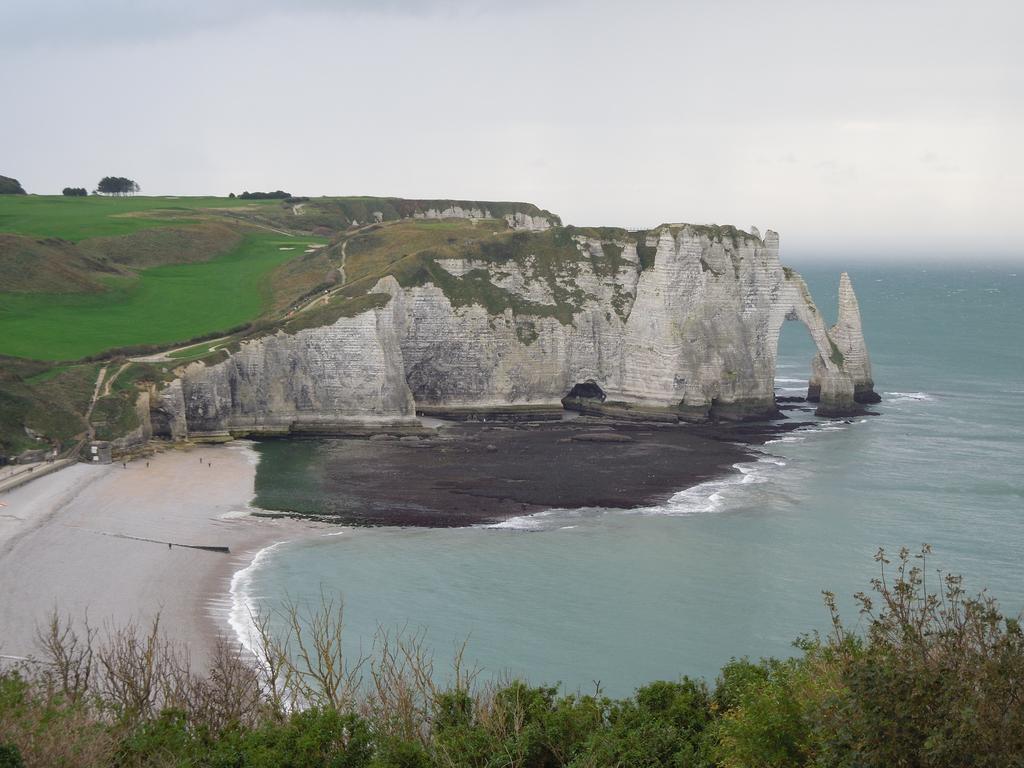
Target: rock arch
841,370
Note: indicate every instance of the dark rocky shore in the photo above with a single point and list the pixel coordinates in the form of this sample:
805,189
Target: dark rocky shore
469,473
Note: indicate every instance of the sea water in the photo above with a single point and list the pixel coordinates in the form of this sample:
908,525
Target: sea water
736,566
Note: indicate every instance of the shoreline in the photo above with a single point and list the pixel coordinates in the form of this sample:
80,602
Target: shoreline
239,602
119,545
90,540
469,473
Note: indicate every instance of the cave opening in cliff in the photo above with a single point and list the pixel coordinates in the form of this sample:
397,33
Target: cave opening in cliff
793,363
587,390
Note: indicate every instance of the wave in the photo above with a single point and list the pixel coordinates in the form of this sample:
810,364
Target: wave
247,448
785,439
242,603
712,495
800,434
532,522
787,380
908,397
703,498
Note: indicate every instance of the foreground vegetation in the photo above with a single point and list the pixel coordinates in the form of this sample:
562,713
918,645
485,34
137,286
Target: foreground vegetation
935,679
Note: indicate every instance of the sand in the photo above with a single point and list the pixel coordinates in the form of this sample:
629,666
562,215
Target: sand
95,539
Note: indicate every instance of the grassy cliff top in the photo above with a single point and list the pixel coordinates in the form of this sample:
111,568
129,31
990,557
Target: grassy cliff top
79,218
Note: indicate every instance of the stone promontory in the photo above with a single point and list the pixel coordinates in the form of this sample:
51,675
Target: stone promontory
679,322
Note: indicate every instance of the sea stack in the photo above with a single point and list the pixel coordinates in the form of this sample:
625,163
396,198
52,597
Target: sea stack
852,355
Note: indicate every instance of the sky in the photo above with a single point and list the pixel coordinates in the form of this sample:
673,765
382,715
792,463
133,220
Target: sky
866,127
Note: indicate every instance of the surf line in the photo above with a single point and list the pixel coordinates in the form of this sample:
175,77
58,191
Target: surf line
204,547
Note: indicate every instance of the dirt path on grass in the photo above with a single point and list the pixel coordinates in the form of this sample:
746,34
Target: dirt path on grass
165,356
108,383
343,278
90,431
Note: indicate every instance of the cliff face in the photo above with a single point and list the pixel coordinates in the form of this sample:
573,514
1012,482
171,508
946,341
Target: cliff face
682,321
348,372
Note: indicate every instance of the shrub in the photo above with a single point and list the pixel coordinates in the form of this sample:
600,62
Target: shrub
765,724
938,679
934,681
275,195
663,724
10,757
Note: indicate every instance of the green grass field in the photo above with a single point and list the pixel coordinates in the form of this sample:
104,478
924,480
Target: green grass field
164,305
78,218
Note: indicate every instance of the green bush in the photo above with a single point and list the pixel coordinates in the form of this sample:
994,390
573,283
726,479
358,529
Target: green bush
663,724
765,723
10,757
936,680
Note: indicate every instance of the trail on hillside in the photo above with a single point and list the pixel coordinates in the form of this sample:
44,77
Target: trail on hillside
90,430
110,381
341,270
165,356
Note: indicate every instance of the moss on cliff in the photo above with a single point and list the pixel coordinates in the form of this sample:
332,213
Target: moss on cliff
337,214
333,309
646,255
836,356
410,250
476,287
723,233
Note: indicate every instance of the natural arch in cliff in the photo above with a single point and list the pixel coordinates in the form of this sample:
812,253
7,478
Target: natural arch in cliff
793,364
840,369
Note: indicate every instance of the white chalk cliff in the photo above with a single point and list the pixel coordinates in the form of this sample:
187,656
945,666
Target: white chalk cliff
690,331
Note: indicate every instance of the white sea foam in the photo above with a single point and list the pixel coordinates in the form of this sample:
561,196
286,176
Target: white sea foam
714,495
787,380
234,514
534,522
786,439
907,397
243,605
247,448
800,434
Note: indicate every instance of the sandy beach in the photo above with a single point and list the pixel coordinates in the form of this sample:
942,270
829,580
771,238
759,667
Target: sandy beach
95,539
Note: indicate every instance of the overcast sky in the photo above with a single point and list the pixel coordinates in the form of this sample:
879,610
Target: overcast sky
850,127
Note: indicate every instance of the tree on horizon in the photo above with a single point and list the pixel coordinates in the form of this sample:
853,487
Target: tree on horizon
117,185
9,186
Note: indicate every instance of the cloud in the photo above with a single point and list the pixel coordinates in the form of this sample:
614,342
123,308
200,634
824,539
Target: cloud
937,163
880,120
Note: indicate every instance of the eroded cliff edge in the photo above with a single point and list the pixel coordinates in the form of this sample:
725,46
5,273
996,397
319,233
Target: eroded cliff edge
678,322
